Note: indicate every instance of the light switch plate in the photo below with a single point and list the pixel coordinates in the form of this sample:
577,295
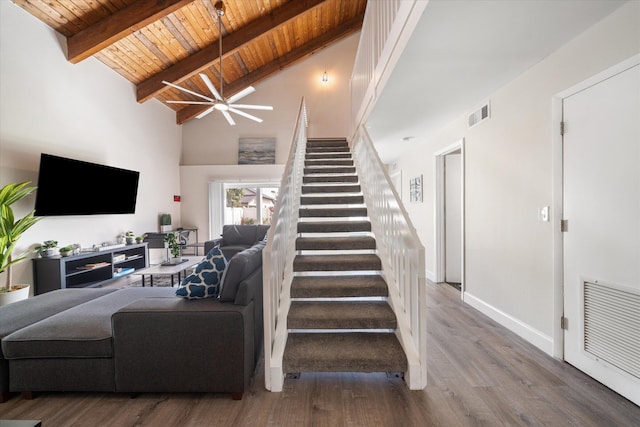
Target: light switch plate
544,214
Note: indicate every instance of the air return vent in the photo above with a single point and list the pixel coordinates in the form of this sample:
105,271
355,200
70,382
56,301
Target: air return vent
612,325
479,115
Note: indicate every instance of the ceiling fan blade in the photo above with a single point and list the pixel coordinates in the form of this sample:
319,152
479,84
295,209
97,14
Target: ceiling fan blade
228,117
205,112
252,107
190,102
244,92
211,87
248,116
188,91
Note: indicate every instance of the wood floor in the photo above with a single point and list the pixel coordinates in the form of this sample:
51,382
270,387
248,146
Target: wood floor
478,374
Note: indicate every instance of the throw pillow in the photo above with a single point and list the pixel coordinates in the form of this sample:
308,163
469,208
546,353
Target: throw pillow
204,282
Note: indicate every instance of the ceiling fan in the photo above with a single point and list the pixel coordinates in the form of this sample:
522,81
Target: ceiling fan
219,102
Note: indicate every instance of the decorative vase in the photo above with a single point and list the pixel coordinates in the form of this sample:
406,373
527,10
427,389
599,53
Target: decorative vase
165,228
18,293
175,260
129,240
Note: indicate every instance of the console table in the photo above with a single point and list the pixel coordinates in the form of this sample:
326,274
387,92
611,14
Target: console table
88,269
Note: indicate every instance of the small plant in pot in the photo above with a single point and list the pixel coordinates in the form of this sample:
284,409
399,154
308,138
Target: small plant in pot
139,239
165,223
11,229
173,243
66,250
47,249
129,236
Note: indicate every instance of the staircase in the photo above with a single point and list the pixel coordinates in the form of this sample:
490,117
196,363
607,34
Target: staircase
339,319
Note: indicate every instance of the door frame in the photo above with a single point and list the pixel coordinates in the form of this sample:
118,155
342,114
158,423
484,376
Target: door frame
439,205
557,193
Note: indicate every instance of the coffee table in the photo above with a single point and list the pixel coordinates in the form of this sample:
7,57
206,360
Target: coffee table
167,270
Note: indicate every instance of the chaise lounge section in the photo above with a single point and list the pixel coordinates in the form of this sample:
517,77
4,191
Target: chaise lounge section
138,339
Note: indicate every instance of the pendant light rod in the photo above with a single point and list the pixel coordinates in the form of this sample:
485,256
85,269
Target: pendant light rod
220,12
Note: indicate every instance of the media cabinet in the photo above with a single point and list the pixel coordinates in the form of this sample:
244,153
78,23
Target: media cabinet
88,269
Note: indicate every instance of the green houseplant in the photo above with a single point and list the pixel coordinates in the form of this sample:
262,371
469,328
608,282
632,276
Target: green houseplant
66,250
47,249
165,223
173,243
11,229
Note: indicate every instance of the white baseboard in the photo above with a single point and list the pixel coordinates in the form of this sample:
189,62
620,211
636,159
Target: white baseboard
431,276
532,335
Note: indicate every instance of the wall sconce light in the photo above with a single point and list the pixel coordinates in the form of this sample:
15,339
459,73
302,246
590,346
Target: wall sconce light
325,77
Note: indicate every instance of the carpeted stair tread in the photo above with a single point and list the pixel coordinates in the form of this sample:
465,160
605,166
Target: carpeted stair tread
331,188
332,212
332,200
335,243
317,143
329,178
341,262
343,352
329,170
328,162
339,286
333,226
328,155
341,315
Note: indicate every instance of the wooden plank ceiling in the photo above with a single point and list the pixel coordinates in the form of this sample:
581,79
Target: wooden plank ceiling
148,41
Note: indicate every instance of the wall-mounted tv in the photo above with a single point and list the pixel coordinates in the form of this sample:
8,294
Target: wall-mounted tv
74,187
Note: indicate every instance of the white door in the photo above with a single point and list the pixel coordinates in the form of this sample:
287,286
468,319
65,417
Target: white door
453,217
601,203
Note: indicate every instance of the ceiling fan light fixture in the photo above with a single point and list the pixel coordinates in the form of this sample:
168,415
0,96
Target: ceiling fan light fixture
221,106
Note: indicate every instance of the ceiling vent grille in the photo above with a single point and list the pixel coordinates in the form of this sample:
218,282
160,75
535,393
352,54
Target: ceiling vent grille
479,115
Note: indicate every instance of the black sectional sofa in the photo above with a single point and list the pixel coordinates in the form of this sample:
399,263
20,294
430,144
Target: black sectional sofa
136,339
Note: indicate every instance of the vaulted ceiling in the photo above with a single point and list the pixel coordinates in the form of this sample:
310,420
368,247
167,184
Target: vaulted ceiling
151,41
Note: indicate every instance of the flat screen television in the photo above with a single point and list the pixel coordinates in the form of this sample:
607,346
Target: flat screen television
74,187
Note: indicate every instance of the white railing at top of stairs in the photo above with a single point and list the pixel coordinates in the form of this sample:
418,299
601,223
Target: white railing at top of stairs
386,29
277,257
402,255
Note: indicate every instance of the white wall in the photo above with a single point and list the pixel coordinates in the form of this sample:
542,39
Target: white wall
211,141
508,160
84,111
210,145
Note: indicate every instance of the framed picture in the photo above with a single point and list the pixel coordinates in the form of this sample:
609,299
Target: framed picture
415,189
257,151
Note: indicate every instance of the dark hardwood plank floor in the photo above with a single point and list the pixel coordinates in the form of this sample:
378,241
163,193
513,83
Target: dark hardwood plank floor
478,374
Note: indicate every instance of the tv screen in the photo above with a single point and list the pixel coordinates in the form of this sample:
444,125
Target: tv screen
74,187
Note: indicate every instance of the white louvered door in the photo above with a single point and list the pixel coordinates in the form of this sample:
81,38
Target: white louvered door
601,249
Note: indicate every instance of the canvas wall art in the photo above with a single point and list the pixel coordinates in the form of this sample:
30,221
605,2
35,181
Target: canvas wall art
415,189
257,151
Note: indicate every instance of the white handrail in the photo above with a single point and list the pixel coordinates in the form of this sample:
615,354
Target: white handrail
277,257
402,255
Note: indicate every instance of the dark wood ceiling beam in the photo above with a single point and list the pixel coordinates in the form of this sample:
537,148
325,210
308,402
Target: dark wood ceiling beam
285,61
115,27
202,59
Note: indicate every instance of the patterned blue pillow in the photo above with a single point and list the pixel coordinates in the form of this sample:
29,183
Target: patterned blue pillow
204,282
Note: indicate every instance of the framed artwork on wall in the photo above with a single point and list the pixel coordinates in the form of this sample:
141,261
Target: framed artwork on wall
415,189
257,151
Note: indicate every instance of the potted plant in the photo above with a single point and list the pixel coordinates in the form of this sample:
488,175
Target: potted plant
139,239
66,250
11,229
165,223
47,249
129,236
173,243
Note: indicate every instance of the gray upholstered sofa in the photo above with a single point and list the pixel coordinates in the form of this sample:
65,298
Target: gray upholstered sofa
136,339
236,238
